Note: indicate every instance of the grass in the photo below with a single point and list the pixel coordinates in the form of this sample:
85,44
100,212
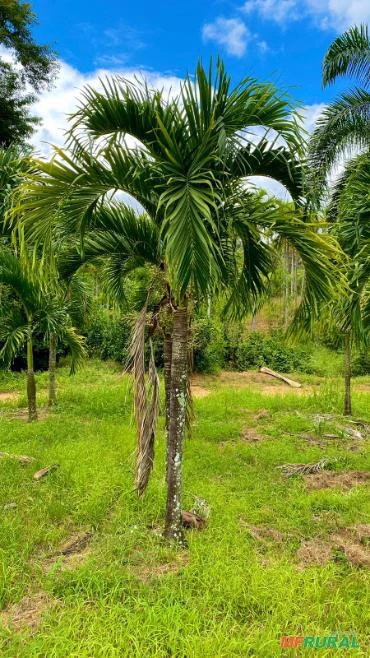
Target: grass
132,595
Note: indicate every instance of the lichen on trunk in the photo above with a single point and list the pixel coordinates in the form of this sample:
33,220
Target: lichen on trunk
176,426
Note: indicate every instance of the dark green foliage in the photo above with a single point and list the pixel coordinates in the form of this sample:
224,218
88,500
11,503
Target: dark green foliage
37,69
259,350
108,338
38,62
361,364
16,123
209,347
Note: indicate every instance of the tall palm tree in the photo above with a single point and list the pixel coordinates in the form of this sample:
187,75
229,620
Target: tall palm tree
185,160
344,126
31,311
349,212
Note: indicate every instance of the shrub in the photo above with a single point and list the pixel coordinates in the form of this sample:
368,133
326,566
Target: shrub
208,345
259,350
361,364
108,338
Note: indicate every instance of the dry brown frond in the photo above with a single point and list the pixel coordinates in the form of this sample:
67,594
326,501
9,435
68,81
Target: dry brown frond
146,402
304,469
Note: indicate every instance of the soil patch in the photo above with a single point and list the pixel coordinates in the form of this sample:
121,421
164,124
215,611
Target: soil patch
332,479
262,533
250,435
314,552
352,542
262,413
22,414
147,572
72,553
257,380
11,395
198,391
27,613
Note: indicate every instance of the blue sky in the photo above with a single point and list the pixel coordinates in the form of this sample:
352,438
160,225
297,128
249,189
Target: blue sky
279,40
282,40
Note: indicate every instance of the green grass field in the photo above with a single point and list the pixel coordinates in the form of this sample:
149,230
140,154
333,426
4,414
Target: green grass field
257,572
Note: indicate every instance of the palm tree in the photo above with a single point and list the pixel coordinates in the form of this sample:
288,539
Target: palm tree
185,160
31,311
349,212
344,126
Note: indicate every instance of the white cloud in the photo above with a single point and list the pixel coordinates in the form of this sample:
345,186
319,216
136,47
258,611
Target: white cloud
229,32
333,14
279,11
310,114
339,14
53,106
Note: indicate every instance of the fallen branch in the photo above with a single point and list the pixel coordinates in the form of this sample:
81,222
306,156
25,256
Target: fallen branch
22,459
45,471
277,375
305,469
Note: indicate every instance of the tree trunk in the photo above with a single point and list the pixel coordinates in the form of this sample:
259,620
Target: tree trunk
347,375
167,357
176,428
31,382
52,367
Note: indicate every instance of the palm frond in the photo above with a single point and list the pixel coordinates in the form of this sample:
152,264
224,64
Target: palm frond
342,128
76,346
349,54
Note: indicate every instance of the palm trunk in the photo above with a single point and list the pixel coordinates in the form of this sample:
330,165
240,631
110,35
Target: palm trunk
176,428
52,368
31,382
167,356
347,375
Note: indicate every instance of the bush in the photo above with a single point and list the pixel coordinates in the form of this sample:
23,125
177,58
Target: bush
361,364
108,338
259,350
208,345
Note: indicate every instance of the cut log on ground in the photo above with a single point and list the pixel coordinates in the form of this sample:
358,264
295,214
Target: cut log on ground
277,375
45,471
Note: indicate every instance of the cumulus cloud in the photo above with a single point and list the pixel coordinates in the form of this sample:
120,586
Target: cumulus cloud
53,106
232,33
333,14
279,11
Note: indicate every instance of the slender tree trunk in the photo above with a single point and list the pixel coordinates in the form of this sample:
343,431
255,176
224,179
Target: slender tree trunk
167,356
31,382
347,375
176,429
52,368
286,286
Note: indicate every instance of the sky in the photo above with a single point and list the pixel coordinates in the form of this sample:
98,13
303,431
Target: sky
282,41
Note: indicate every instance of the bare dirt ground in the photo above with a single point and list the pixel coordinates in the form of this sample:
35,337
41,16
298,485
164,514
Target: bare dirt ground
9,395
332,479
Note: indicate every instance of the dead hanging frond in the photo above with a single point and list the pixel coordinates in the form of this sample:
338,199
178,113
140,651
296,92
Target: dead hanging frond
146,402
189,411
289,470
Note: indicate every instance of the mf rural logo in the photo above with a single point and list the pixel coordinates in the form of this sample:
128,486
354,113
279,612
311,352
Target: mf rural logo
319,642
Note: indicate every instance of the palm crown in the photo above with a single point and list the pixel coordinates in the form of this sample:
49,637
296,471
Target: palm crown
344,125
